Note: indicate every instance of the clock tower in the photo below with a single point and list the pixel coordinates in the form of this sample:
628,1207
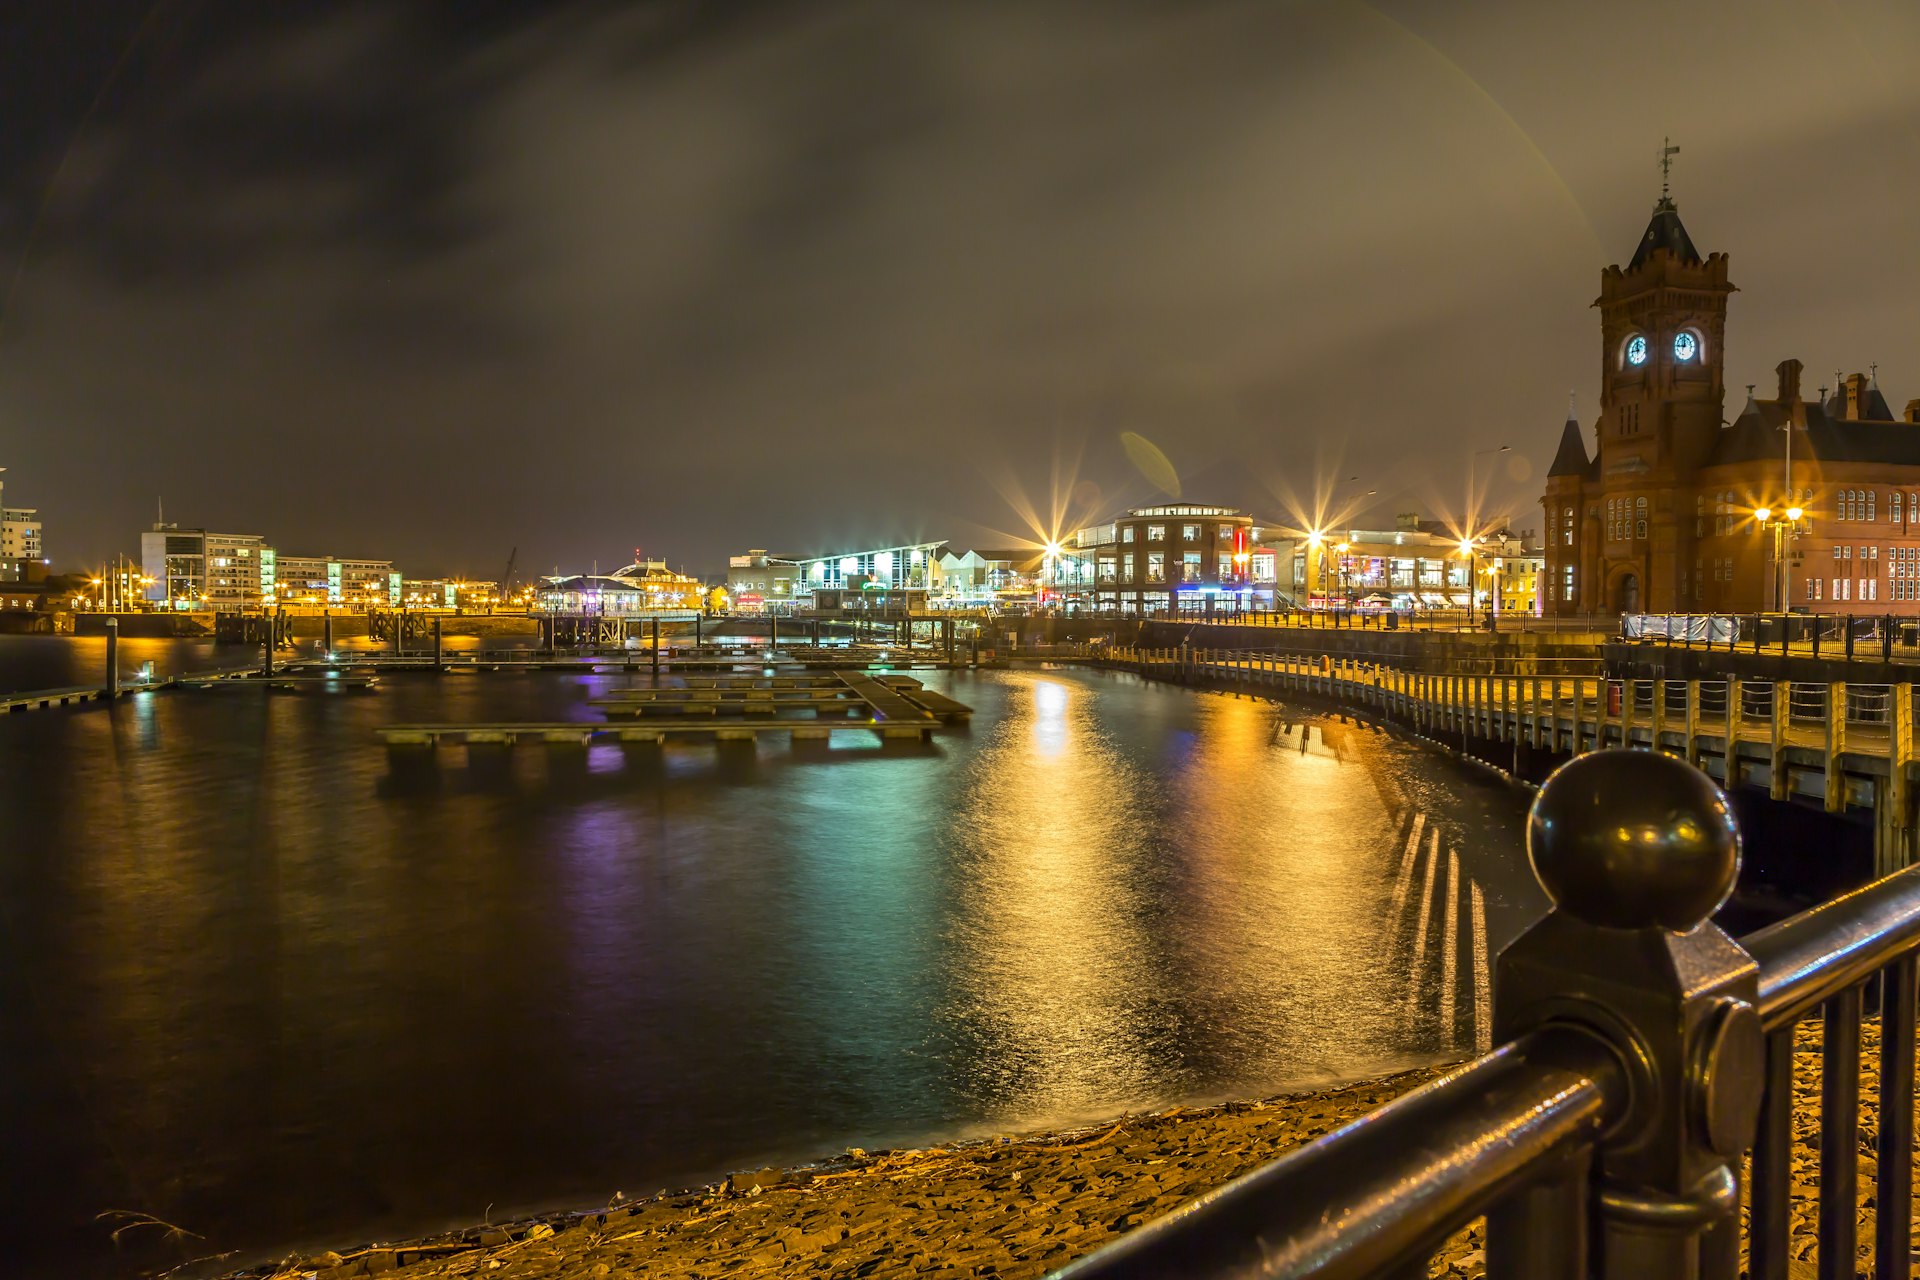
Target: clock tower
1662,331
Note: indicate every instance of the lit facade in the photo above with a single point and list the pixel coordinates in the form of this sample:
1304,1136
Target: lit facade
760,583
333,582
1145,559
645,586
448,593
1661,515
198,569
909,566
19,531
1421,564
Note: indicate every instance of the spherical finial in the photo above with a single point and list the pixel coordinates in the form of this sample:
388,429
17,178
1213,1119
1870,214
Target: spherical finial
1630,839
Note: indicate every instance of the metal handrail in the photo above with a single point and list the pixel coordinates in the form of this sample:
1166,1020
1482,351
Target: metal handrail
1814,956
1399,1180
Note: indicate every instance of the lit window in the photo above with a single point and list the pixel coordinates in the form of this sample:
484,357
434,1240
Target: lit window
1156,533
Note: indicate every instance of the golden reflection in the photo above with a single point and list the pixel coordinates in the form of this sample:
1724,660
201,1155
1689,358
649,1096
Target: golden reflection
1053,960
1289,860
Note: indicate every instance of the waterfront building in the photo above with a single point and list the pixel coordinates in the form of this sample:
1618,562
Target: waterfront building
19,534
986,579
198,569
1809,504
645,586
1145,559
760,583
1419,564
908,566
449,593
332,581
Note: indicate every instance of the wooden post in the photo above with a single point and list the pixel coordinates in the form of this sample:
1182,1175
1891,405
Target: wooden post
113,657
1579,710
1729,747
267,667
439,638
1893,833
1659,711
1782,703
326,631
656,647
1626,713
1693,723
1533,712
1835,787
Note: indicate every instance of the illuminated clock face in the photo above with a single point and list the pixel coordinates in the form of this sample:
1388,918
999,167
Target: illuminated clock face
1685,347
1637,350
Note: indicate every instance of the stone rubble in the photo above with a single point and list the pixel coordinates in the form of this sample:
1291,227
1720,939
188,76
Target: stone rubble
1008,1208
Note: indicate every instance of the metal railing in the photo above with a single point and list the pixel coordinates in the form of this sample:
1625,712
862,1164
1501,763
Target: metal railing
1646,1054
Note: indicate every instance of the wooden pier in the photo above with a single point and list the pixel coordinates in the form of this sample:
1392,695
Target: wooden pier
1846,746
805,708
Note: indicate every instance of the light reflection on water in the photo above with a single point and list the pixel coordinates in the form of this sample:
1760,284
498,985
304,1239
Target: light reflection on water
257,982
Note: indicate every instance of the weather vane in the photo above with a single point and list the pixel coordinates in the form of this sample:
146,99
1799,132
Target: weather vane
1667,152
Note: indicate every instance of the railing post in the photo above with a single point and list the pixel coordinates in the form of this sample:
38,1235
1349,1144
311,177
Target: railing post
1693,724
1579,705
1893,843
1636,850
1782,707
1835,784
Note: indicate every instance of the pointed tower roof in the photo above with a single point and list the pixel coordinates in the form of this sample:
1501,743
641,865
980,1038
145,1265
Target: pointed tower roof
1571,459
1665,232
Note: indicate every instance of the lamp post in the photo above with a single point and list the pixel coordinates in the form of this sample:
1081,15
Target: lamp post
1469,550
1780,522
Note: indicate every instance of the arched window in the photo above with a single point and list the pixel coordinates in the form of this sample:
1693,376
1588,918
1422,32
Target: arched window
1893,509
1569,526
1870,497
1640,517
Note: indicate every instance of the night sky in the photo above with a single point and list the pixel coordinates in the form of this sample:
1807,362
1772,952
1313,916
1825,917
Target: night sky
432,281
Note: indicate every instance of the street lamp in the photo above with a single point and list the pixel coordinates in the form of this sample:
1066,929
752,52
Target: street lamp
1468,550
1780,522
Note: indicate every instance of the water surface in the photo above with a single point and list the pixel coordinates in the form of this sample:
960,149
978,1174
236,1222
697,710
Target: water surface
257,983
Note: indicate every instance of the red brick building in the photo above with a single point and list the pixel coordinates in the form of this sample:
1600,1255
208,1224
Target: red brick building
1660,516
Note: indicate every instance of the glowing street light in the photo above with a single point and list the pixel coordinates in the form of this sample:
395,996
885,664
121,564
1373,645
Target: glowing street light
1780,522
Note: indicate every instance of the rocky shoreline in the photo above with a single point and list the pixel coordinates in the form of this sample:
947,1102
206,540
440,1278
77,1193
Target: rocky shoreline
1008,1208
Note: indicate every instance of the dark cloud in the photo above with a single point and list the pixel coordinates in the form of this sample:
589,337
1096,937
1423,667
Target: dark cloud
434,280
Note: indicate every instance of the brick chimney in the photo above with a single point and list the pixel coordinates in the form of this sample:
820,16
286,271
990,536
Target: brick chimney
1854,392
1789,371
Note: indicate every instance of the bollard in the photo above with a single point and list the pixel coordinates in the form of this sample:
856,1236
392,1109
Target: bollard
1629,958
113,657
